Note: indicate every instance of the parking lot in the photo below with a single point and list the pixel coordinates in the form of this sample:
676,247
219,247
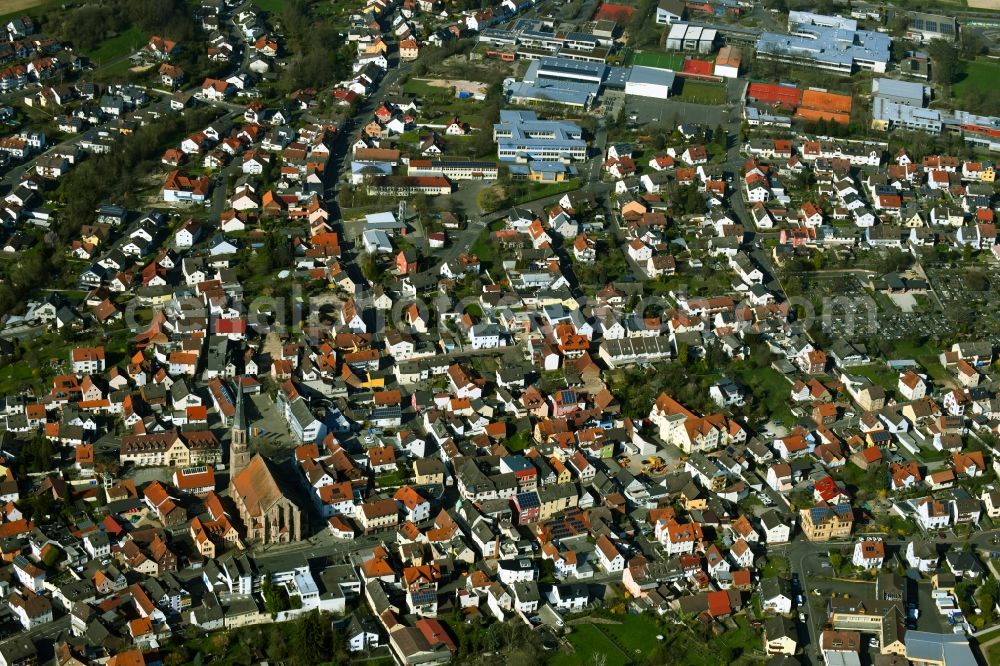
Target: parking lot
665,114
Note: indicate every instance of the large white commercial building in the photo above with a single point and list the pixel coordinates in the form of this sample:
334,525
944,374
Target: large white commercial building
649,82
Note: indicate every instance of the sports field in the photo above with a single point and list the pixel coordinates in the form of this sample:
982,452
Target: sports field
701,92
672,61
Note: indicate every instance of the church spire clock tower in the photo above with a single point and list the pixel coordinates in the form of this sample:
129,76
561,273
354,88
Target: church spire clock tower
239,449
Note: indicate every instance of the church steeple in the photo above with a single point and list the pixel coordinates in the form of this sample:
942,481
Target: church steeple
239,419
239,450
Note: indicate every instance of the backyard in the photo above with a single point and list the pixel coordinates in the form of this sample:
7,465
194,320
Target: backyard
926,354
769,387
879,373
621,644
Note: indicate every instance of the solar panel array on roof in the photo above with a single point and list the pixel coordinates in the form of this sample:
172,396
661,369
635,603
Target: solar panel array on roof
388,412
528,500
424,597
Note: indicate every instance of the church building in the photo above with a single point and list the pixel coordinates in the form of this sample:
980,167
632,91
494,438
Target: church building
262,493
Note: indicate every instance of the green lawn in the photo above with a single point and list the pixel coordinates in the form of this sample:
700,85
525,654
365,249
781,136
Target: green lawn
636,632
776,566
981,73
701,92
121,44
440,104
270,6
483,248
926,355
421,87
589,643
879,373
390,480
743,640
116,72
633,641
519,441
773,390
674,61
35,367
16,376
542,190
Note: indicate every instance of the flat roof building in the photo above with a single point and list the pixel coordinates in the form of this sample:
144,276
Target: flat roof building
901,92
888,114
924,27
521,136
923,647
649,82
560,81
829,42
564,69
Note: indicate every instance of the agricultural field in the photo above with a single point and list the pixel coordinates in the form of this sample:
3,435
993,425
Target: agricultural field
13,8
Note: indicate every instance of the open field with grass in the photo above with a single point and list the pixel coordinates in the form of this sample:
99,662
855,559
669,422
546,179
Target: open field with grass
122,44
700,92
589,645
879,373
981,73
270,6
541,190
440,103
674,61
993,654
591,642
636,633
773,390
635,640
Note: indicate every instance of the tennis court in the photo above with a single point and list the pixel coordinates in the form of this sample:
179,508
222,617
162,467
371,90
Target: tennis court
674,61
